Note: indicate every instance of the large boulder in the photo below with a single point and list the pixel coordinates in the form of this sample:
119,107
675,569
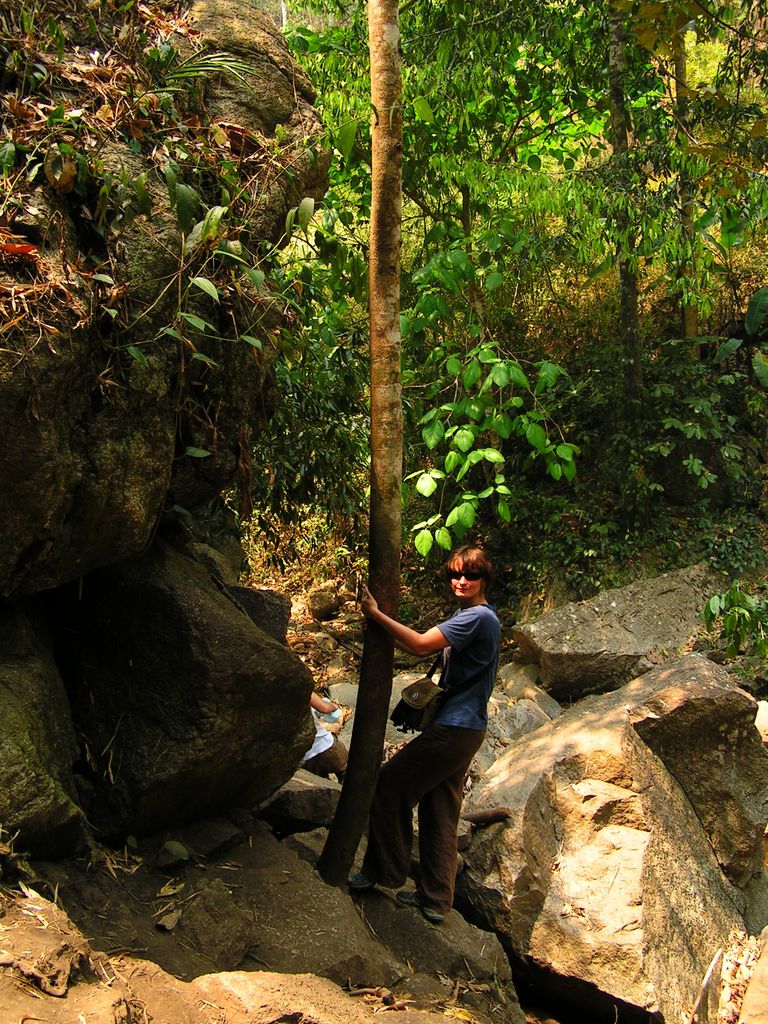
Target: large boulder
108,394
610,873
37,743
599,644
183,703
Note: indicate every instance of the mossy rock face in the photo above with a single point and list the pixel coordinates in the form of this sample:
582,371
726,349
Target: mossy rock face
115,407
37,744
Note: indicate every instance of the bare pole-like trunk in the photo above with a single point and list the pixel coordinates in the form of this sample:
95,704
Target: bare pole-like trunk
628,319
689,319
386,441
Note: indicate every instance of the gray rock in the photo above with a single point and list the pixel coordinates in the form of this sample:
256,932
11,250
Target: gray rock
268,609
324,601
178,705
517,682
508,720
304,803
37,743
217,926
454,948
604,872
597,645
303,925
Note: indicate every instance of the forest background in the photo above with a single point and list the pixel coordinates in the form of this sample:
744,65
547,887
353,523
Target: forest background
583,296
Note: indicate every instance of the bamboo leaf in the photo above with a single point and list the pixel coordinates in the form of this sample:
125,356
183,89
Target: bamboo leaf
206,286
345,140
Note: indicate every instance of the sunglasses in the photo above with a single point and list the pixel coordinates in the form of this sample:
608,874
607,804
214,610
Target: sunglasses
456,574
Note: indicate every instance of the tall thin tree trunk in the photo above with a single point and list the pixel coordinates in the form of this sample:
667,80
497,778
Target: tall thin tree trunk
628,320
386,441
688,316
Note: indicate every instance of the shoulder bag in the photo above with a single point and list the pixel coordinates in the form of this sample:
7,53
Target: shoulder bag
419,702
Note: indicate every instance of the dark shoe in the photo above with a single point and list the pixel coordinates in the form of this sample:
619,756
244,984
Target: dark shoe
406,898
360,882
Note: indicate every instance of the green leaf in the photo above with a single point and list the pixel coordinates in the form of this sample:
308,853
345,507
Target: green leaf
502,425
453,366
201,357
500,375
464,439
171,180
198,453
472,374
757,310
536,436
187,206
466,514
452,460
250,340
760,366
517,376
345,140
7,156
138,355
426,485
492,455
423,542
104,278
433,433
305,212
493,281
143,198
534,162
423,110
569,470
475,409
727,349
256,277
176,849
503,511
206,286
555,470
197,322
443,538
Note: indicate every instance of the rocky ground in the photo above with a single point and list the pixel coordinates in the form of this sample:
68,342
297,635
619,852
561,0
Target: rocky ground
225,921
143,932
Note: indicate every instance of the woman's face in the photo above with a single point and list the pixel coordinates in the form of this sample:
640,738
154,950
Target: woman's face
469,588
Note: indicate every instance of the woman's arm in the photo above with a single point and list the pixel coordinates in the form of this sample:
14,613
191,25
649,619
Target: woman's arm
325,707
408,639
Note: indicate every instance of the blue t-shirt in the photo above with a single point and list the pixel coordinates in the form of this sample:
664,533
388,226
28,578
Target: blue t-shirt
471,661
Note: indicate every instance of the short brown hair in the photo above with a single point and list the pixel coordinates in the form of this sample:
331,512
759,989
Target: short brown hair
472,558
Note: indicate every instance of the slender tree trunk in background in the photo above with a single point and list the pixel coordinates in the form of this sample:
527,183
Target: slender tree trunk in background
688,317
386,442
628,328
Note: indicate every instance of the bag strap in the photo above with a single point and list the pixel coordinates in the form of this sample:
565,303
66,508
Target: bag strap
438,661
454,690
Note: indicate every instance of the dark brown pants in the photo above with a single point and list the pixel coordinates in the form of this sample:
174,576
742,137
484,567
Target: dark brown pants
332,761
430,772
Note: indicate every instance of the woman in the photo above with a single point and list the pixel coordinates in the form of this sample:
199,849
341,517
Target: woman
430,770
